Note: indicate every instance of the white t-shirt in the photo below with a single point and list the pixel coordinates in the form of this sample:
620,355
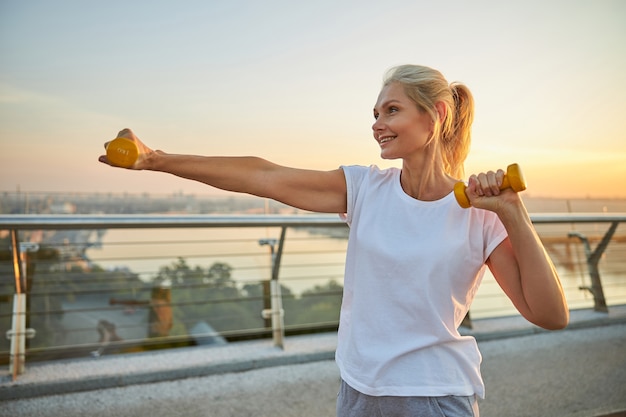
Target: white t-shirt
412,270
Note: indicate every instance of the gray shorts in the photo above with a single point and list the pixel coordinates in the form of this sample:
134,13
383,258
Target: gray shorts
352,403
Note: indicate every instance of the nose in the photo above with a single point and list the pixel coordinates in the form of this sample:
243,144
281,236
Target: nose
377,126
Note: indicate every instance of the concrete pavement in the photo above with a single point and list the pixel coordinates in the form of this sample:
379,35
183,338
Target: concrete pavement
577,372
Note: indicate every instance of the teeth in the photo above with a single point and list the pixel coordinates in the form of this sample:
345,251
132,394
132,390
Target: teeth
384,140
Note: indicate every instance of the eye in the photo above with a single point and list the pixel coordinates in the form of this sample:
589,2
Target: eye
393,109
376,115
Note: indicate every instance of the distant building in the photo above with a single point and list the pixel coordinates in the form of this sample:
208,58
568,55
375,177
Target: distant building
62,208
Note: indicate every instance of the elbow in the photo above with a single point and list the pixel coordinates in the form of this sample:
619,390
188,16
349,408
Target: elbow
556,321
557,324
564,320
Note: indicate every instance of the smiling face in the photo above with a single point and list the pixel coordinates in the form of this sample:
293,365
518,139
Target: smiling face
401,128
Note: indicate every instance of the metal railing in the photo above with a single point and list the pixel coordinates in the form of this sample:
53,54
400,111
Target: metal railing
568,237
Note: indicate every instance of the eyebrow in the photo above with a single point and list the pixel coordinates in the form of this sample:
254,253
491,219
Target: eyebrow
388,102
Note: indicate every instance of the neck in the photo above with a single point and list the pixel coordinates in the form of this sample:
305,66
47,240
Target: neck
426,181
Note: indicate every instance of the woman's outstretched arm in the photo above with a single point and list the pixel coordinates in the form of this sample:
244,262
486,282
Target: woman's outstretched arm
318,191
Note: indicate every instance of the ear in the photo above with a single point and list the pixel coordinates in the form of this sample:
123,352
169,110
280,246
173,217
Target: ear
441,110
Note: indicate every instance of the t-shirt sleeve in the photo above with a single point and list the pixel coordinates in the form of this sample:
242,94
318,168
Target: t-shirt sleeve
354,178
494,233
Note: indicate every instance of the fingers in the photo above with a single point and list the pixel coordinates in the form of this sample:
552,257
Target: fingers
126,133
486,191
103,159
487,184
127,151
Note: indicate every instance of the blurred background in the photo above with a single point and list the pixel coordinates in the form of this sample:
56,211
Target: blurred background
295,82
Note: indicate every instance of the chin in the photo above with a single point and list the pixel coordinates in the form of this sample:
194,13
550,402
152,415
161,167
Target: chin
387,156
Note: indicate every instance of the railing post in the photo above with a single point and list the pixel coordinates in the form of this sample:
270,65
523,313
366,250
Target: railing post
19,332
593,258
18,323
276,312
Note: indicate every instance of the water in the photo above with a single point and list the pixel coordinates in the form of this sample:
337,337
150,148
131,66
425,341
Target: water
313,259
307,259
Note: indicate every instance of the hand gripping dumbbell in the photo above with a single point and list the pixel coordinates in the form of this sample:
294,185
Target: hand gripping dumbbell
122,152
513,179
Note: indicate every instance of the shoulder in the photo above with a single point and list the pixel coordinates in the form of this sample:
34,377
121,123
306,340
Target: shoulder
359,173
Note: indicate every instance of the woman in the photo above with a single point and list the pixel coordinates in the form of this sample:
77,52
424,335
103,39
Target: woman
415,258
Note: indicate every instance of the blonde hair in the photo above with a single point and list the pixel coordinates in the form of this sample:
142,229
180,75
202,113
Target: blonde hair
426,87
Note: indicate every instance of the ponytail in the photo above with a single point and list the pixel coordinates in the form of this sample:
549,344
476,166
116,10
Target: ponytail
456,138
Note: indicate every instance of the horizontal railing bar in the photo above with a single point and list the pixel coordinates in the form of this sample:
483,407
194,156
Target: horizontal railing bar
211,255
181,242
577,217
139,221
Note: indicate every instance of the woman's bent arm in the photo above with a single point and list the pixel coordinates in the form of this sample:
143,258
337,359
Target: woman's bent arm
520,263
525,272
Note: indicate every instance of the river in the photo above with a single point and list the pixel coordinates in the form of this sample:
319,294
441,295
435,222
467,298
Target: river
312,259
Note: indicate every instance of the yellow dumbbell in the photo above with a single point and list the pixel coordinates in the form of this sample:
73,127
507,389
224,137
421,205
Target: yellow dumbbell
513,179
122,152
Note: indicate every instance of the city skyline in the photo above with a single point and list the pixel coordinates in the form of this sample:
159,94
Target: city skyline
295,83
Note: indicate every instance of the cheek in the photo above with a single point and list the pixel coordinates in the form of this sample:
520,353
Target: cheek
422,132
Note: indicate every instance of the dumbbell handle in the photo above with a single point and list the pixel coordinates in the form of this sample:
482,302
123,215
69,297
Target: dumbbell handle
513,179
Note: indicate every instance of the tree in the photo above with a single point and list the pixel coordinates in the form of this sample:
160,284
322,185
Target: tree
207,295
321,304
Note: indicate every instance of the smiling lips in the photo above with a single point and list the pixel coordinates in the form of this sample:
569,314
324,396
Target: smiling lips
385,139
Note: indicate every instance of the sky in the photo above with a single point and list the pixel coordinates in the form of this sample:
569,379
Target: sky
295,82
